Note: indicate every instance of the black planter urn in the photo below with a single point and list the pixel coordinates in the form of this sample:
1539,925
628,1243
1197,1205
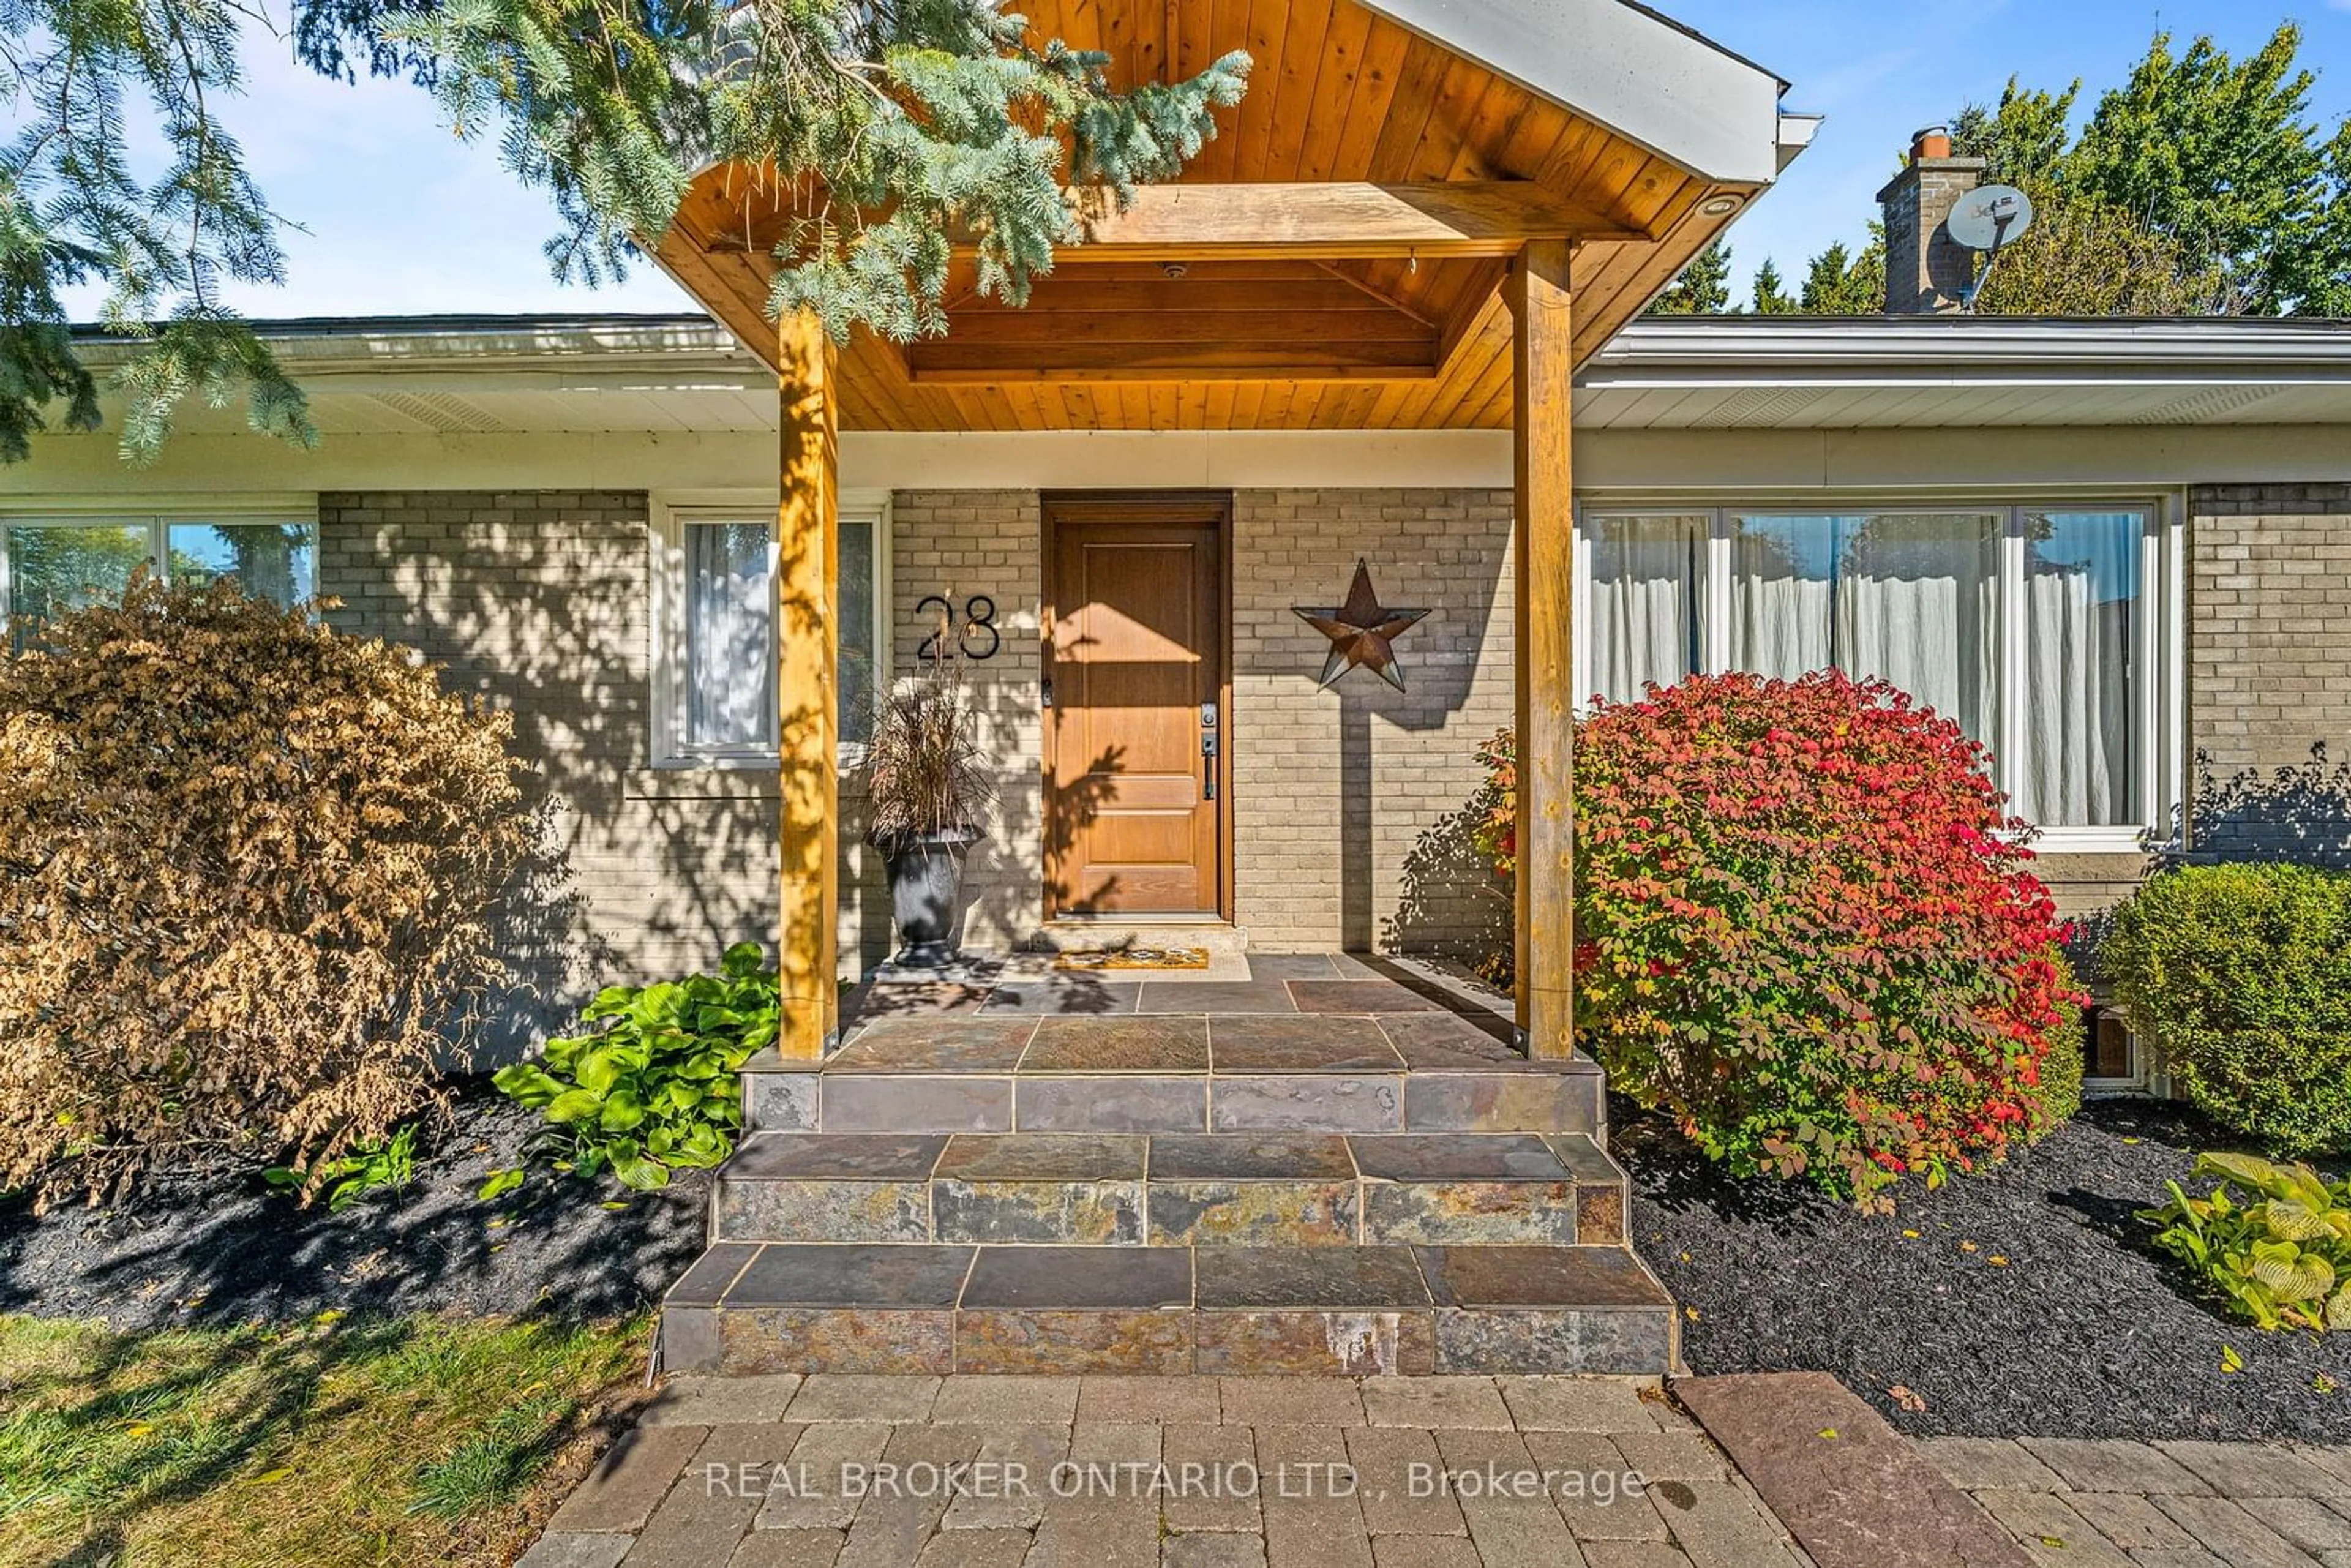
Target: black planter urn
925,878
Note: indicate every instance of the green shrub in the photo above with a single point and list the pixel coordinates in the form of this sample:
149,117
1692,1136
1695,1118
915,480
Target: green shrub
2058,1090
655,1090
2274,1239
1806,930
2241,975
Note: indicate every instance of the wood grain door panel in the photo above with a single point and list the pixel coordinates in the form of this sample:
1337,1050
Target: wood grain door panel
1135,613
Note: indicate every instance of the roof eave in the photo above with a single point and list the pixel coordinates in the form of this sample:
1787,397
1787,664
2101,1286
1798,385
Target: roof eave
1643,76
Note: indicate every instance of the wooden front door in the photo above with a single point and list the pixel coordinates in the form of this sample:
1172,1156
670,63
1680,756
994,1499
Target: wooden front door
1136,714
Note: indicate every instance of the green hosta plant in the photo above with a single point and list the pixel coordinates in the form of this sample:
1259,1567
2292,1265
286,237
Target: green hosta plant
2274,1239
654,1089
368,1167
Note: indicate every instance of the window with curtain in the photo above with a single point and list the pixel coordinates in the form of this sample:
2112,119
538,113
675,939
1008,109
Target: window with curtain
724,702
1648,627
730,638
51,566
2083,612
1908,597
2035,629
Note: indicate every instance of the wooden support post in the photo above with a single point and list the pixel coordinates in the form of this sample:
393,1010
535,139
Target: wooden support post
808,539
1543,367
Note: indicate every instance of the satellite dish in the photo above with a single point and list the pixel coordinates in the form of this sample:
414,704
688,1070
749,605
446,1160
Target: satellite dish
1989,218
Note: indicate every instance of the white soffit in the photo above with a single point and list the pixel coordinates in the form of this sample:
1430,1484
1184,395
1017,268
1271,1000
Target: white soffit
1638,73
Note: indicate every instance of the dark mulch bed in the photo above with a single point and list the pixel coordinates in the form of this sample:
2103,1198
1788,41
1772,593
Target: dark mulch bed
2084,1330
213,1247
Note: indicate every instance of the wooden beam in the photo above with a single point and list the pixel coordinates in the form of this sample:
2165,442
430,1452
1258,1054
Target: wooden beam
1542,361
808,539
1430,221
1269,372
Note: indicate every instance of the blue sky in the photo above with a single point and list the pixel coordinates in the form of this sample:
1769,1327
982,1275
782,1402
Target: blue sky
1880,69
401,218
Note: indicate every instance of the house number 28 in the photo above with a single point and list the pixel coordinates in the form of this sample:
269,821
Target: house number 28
978,620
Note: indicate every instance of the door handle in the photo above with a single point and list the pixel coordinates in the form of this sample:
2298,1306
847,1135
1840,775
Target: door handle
1208,766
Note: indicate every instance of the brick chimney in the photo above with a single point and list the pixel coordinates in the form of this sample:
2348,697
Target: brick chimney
1927,272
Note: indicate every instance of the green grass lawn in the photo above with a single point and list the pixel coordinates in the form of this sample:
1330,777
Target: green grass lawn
410,1440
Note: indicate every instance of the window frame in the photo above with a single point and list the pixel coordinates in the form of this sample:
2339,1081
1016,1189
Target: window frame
158,516
671,512
2162,644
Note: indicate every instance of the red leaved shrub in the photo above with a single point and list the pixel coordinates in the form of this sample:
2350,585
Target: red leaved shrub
1806,929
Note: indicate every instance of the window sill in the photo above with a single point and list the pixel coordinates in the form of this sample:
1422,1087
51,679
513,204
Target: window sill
2095,842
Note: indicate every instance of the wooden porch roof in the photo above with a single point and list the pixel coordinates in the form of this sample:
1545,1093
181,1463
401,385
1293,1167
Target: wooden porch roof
1332,260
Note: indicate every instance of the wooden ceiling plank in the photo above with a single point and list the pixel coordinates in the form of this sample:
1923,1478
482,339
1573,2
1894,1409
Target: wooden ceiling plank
1656,196
1373,298
1192,405
1227,30
1567,162
1377,80
1426,69
1269,30
1470,309
1194,23
1485,140
1040,329
1340,57
1311,285
1118,362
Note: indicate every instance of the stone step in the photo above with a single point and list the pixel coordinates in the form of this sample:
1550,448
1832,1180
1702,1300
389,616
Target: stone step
939,1308
1425,1074
1291,1189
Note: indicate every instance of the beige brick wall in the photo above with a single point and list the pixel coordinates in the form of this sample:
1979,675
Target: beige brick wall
2269,672
959,544
1347,803
1350,803
537,602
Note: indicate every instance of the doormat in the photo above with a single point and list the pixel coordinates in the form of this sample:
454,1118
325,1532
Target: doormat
1105,958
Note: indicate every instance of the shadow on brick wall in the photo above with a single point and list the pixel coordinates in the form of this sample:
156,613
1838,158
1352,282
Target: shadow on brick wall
1451,904
2301,814
536,603
543,933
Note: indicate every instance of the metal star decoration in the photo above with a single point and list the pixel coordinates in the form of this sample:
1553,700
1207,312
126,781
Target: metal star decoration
1361,632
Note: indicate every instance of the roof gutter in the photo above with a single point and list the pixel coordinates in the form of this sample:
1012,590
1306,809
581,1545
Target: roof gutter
1800,351
313,347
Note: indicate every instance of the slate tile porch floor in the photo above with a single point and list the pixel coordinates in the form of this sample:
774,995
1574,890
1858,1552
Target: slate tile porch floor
1296,1012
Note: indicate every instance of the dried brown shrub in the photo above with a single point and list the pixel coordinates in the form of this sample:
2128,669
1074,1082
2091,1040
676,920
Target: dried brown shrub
246,866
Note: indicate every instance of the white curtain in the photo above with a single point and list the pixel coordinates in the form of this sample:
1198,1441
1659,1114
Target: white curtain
1643,609
2081,630
1910,597
730,677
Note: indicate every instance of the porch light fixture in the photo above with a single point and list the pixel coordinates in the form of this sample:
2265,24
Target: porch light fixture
1719,207
1361,632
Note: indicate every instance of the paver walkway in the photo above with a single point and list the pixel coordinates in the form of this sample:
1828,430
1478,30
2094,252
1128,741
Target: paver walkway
1414,1472
2073,1503
1174,1472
